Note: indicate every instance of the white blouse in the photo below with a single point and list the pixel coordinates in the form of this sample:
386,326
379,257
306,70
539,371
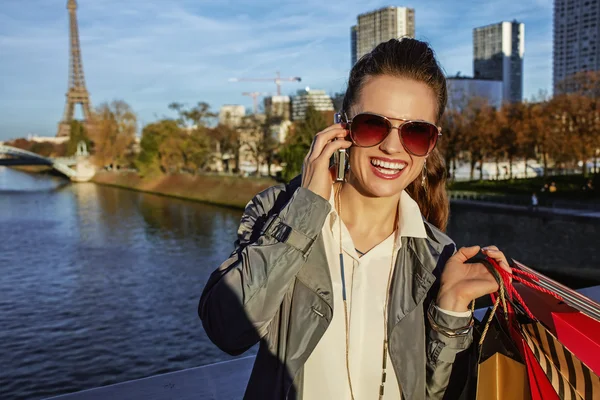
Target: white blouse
325,373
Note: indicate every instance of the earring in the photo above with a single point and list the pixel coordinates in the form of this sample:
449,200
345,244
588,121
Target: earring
424,176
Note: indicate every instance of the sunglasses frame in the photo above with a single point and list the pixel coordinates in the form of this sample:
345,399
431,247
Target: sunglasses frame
389,120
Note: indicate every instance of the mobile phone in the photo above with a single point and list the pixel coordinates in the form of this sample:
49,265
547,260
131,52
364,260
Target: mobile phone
340,157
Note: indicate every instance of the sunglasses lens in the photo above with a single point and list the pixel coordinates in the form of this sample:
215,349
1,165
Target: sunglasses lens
419,138
369,130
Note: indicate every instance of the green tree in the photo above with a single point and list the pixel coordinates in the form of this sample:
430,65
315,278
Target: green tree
196,117
78,134
299,141
149,160
167,148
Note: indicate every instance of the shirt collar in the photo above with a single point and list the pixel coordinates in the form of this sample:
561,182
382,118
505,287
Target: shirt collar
410,221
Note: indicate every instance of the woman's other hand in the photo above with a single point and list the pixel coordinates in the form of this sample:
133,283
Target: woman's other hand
316,175
461,283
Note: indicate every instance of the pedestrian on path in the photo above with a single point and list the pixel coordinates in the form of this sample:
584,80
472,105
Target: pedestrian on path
534,202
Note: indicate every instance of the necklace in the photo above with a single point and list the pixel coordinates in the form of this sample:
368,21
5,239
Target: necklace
385,317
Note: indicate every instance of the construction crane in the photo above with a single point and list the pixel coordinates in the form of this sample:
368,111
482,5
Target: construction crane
255,96
278,79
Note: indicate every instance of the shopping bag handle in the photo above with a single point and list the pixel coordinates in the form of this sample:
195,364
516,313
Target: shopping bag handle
494,269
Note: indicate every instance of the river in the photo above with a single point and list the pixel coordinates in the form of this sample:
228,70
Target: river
101,285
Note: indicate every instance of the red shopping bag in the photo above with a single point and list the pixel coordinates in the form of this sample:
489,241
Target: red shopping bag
539,385
575,330
570,378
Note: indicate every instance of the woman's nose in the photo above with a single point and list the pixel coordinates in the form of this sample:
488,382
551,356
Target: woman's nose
392,143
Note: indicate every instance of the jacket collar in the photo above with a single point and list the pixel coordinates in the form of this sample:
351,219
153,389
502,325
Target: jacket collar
413,275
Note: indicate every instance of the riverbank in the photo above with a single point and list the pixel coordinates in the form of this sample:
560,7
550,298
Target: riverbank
228,191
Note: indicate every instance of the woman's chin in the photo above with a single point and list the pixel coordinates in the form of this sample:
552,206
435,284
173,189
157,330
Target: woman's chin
382,189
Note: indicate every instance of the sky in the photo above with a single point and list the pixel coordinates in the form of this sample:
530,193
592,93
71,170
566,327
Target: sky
154,52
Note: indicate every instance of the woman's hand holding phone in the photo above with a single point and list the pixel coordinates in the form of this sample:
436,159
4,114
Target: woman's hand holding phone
316,175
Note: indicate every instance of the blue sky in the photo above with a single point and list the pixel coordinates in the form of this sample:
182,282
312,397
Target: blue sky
153,52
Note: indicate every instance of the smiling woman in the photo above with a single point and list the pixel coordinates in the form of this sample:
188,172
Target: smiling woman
372,248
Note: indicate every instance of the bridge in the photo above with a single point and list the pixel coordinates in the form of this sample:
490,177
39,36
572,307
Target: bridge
12,156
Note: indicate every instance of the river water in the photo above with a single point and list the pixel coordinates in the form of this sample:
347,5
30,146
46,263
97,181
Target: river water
100,285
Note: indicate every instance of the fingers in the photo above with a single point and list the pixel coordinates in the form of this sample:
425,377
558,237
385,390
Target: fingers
464,253
331,148
330,128
499,257
323,138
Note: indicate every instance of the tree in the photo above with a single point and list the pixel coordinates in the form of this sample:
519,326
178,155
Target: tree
149,160
199,116
585,83
78,134
228,143
476,135
114,133
453,125
260,138
199,144
167,148
299,141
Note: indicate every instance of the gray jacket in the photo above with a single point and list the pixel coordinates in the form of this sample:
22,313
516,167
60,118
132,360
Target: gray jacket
276,289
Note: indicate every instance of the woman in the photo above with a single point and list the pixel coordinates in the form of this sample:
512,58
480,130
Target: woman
341,283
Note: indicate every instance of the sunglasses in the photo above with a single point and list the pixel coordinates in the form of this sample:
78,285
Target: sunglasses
417,137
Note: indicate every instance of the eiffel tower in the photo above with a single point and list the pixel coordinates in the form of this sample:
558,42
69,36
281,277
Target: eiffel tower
77,93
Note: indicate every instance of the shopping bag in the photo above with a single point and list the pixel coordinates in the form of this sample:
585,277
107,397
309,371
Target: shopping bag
493,367
575,329
502,373
570,377
539,385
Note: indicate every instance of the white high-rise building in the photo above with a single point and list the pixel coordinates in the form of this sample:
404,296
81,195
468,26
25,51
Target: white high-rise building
498,51
319,99
380,26
231,114
576,39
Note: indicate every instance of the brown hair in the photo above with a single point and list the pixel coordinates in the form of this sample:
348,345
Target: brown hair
412,59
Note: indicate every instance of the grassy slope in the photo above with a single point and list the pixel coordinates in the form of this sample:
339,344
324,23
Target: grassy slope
221,190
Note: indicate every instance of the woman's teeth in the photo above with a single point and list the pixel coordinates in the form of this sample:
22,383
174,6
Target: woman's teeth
389,168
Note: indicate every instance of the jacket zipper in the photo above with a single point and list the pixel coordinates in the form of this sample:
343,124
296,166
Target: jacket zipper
320,314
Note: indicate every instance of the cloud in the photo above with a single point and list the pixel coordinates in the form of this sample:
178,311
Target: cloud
153,52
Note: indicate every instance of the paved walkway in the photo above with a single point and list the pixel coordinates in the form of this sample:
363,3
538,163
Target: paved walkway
526,209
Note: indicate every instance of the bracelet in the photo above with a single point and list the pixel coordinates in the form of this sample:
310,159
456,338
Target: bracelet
447,331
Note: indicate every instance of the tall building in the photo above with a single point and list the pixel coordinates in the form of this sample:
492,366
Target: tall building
231,114
319,99
576,38
353,45
498,55
461,89
278,106
380,26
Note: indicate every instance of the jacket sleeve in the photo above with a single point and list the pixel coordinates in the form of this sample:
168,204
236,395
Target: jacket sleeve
242,296
442,350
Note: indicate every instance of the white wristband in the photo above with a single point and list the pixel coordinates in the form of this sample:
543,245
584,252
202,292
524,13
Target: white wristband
463,314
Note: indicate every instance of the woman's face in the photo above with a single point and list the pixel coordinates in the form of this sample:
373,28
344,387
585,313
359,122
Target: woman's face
394,98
